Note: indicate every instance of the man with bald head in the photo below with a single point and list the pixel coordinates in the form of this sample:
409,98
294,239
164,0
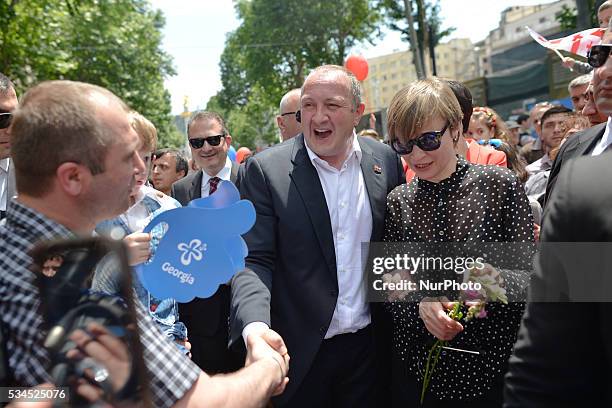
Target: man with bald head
287,121
318,196
76,159
8,103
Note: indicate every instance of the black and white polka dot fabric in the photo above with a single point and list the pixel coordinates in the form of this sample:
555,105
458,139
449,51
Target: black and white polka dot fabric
475,204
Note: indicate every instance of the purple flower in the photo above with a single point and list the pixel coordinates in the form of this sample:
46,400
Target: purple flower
472,294
482,313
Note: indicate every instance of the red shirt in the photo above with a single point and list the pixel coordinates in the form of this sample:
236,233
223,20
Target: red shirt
477,154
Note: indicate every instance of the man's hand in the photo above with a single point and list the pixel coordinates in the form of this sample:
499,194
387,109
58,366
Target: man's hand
433,313
138,247
268,344
108,351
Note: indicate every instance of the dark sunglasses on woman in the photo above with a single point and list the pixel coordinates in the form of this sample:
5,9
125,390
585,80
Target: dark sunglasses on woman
198,142
5,120
428,141
598,54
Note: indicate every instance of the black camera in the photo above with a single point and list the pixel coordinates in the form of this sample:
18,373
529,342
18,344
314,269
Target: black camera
65,271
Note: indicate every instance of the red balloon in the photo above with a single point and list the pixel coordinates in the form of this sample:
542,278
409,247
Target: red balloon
358,65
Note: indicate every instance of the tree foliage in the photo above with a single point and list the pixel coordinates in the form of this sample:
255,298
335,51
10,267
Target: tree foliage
112,43
274,48
426,14
568,17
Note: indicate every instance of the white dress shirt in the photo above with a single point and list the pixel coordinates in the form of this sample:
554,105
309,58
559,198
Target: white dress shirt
351,221
605,141
137,217
4,180
223,174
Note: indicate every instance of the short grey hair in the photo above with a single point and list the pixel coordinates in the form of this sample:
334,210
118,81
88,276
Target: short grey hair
285,99
207,115
5,84
582,80
355,85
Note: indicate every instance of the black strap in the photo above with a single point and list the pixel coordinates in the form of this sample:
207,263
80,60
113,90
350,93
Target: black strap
6,379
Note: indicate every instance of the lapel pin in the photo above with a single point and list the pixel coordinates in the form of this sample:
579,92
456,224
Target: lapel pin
377,169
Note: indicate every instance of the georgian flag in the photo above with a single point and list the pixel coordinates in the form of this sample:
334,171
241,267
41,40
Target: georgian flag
579,43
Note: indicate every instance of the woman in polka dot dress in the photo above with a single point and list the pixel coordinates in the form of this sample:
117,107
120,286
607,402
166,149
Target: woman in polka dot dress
450,200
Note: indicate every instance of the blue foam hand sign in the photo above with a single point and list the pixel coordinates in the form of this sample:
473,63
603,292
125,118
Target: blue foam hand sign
201,248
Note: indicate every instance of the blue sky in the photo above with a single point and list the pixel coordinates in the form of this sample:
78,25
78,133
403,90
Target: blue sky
195,35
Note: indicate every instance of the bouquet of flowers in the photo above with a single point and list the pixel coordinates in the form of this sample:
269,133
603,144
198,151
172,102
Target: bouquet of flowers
491,289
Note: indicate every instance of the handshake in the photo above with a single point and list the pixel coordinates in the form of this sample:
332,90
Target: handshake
265,346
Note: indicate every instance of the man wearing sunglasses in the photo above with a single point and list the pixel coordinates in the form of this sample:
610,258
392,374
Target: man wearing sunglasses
287,122
206,319
595,140
8,103
578,325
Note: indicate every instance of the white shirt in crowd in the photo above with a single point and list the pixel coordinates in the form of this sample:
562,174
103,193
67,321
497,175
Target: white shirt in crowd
137,216
351,221
223,174
605,141
4,180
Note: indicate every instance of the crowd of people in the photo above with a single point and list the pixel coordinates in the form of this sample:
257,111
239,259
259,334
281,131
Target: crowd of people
297,325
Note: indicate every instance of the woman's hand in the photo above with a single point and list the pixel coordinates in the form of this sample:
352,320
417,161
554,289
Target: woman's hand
138,247
433,313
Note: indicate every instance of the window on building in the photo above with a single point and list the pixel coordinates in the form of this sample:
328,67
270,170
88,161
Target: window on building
384,77
393,76
373,69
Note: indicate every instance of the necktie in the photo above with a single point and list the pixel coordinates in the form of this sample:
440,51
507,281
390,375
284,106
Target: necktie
213,183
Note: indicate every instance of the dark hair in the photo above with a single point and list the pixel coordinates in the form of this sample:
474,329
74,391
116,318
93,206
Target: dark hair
181,161
207,115
521,118
556,109
464,96
515,162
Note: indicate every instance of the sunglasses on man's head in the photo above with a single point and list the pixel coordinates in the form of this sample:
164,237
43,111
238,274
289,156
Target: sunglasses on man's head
198,142
428,141
5,120
598,54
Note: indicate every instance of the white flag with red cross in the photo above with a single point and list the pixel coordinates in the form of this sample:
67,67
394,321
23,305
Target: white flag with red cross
579,43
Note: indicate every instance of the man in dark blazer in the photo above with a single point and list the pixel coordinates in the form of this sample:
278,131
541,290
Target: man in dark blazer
318,196
593,140
207,319
563,356
8,103
580,144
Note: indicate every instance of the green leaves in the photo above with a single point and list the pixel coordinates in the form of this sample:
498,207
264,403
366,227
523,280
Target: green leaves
112,43
273,50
